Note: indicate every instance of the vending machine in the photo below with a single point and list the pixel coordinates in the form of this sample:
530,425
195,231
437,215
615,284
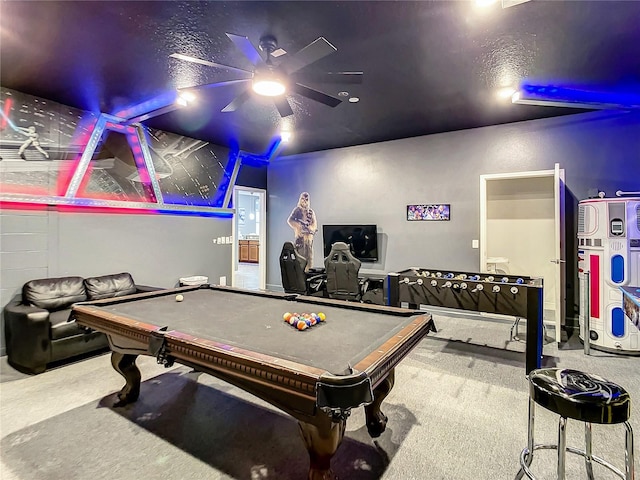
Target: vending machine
609,265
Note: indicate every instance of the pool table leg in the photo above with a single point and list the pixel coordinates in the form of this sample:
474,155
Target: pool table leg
322,439
376,420
125,365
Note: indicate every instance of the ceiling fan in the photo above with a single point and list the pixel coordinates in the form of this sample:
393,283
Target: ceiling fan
276,79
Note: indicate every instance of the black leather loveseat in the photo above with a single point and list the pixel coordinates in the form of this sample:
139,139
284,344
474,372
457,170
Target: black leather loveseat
37,326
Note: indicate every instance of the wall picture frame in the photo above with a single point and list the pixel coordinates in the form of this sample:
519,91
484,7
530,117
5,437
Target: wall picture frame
429,212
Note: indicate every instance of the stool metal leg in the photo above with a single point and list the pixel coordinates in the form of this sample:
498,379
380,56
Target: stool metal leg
514,326
526,456
628,453
588,456
530,444
562,446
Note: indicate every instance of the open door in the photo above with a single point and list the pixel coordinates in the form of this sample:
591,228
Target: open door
522,223
249,269
560,258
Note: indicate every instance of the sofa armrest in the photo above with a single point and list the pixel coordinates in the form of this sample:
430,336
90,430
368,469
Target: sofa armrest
27,336
147,288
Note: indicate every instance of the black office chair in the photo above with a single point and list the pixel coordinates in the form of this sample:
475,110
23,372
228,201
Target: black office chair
342,269
292,271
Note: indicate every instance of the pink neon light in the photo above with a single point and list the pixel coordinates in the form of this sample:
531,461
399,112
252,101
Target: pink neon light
80,138
7,111
594,278
23,206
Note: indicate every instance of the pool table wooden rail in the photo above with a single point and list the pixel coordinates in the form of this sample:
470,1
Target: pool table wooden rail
259,373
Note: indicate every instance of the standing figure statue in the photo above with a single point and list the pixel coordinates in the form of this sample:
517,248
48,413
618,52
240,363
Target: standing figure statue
32,139
304,224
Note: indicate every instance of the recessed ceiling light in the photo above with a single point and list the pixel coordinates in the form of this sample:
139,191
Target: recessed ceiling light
506,92
354,99
184,98
343,94
285,136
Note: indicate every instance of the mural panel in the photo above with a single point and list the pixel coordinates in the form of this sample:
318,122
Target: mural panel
38,142
42,142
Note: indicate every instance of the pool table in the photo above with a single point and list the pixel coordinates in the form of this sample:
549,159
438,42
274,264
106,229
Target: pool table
316,375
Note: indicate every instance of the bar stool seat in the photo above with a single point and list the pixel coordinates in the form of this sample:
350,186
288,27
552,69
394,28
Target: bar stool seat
583,397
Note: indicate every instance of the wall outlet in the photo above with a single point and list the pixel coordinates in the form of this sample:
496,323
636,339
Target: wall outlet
223,281
475,244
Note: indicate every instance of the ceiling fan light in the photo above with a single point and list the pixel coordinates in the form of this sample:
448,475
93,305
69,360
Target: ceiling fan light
268,87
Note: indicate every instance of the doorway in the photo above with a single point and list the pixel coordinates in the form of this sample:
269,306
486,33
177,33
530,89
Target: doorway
249,238
522,226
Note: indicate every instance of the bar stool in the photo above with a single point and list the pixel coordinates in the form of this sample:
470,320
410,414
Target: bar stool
493,262
580,396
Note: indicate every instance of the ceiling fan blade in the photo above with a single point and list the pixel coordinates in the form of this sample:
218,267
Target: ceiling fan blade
282,104
238,101
187,58
316,95
313,52
245,46
215,85
329,77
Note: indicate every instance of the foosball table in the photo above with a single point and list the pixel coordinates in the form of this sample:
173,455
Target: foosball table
514,295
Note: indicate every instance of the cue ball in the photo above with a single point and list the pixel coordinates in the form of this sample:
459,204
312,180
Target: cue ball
179,298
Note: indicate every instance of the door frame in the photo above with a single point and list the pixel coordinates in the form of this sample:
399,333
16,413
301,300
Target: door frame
262,255
558,175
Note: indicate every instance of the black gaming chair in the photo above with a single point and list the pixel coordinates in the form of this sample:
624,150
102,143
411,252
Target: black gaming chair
294,278
292,268
342,273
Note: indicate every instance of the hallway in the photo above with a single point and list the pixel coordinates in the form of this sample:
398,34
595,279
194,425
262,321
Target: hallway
248,276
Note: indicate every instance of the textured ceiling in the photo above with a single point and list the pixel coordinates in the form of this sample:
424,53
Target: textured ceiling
428,67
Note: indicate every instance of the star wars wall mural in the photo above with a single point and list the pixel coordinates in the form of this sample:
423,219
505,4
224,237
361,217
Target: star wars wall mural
41,143
305,225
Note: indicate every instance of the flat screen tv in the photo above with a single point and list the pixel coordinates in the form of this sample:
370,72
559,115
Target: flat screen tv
362,239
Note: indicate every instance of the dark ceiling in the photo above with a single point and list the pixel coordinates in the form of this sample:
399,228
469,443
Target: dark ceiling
428,67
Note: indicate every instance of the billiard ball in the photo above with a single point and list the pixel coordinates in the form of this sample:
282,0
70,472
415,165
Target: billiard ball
287,316
179,298
322,316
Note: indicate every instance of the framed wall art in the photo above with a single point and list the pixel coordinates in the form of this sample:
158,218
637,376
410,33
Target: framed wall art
428,212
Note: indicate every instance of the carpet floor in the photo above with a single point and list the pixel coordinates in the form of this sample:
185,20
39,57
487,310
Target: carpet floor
458,411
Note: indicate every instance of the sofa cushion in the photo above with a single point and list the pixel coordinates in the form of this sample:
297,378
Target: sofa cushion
109,286
54,293
61,327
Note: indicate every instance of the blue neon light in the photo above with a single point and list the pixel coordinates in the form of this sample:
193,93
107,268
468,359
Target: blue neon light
617,268
580,95
150,105
617,322
225,182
